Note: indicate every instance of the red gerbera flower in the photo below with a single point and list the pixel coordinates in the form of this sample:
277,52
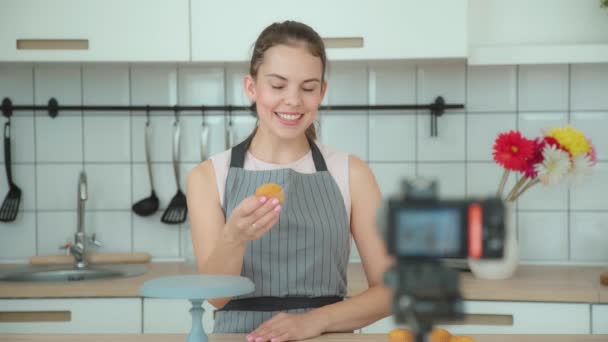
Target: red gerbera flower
537,157
512,150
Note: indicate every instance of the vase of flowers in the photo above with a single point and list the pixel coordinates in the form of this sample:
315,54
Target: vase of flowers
559,154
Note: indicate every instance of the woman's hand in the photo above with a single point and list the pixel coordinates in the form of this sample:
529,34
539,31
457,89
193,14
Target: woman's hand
251,219
288,327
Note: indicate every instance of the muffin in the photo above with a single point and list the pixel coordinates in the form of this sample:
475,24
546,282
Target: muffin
270,190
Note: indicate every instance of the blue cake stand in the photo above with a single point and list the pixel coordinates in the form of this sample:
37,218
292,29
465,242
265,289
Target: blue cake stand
197,288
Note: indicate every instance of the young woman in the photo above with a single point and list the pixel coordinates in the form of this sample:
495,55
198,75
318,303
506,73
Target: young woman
296,253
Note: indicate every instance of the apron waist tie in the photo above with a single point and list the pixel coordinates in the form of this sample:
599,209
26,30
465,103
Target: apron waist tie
279,303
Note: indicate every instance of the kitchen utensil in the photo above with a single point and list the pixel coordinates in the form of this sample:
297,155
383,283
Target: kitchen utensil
96,258
148,205
177,210
204,139
10,206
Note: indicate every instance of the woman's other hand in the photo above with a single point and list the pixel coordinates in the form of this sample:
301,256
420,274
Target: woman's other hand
288,327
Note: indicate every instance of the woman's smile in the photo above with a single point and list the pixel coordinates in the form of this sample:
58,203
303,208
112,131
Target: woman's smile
289,118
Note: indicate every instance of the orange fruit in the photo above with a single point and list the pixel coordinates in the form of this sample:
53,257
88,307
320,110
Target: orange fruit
461,339
400,335
439,335
270,190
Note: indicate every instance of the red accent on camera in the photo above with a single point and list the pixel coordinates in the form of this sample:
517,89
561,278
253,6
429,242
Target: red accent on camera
475,231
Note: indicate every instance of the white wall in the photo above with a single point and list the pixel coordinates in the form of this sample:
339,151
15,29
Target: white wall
555,225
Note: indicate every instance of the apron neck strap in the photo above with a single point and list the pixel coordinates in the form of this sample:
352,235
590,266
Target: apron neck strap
237,158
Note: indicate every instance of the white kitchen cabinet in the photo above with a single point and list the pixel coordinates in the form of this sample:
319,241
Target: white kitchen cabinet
537,32
172,316
94,30
599,313
526,317
353,29
71,316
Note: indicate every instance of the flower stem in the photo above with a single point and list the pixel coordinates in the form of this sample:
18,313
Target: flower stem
516,188
503,181
528,186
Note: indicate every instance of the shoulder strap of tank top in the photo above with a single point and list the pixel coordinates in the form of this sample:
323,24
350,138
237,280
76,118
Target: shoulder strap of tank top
237,158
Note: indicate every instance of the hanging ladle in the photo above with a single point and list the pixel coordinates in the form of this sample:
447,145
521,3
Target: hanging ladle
148,205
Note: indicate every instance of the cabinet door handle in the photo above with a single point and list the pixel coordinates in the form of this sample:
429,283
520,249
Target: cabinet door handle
482,319
52,44
35,316
343,42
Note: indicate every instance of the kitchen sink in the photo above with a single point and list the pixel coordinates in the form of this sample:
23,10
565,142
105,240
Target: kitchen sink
65,273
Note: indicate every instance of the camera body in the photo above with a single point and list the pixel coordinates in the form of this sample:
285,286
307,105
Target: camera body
429,228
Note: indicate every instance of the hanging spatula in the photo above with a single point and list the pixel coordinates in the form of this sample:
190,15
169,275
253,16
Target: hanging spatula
177,210
10,206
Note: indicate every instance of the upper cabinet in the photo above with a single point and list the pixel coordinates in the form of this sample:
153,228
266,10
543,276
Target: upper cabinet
352,29
94,30
537,32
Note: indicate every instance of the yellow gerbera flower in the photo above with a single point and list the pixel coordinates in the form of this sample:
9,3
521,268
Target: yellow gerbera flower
573,140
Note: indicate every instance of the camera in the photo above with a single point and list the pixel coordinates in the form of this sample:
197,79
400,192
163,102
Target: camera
422,231
420,226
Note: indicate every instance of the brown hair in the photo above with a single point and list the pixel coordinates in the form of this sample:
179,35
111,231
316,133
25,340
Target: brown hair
288,33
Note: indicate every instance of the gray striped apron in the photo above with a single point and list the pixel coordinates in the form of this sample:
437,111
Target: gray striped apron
304,256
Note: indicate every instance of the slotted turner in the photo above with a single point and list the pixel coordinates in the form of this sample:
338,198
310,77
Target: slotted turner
177,210
10,206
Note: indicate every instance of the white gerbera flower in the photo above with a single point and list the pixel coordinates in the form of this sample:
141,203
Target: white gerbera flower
555,165
581,168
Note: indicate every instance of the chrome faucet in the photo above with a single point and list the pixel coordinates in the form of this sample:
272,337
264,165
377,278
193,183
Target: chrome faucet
79,247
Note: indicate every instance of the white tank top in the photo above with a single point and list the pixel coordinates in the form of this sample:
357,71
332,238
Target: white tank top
337,165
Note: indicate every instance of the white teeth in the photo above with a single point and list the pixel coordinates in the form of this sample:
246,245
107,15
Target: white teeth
290,117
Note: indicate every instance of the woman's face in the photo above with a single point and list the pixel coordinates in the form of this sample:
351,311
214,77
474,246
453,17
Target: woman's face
287,90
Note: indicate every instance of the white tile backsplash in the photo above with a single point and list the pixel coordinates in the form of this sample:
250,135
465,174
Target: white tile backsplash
152,236
449,144
543,87
347,84
589,86
19,238
450,176
492,88
591,194
106,84
107,138
201,85
441,79
543,236
392,137
391,83
111,228
55,229
59,139
17,83
57,186
109,186
555,224
391,175
59,81
346,133
588,238
483,179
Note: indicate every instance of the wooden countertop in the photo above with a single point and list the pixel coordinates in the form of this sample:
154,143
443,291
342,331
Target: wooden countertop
241,338
530,283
